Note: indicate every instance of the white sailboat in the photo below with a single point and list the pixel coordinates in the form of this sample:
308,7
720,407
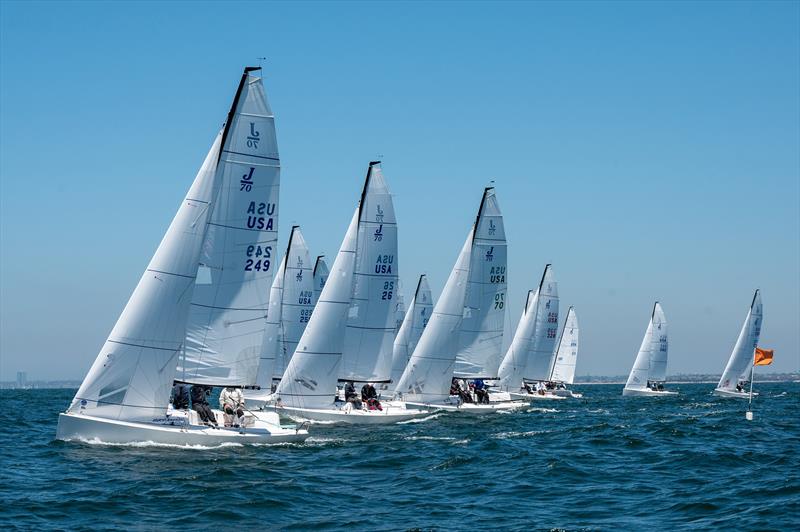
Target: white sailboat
650,367
307,390
214,241
416,318
480,334
320,276
566,358
367,353
735,378
529,356
427,378
290,304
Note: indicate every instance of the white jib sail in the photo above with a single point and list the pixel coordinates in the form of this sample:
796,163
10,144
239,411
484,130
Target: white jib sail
226,320
428,375
320,276
310,378
651,361
481,333
545,332
416,318
738,367
290,306
531,326
367,354
131,378
567,351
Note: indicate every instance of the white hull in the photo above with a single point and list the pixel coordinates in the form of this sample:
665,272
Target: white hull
470,408
88,428
391,413
536,397
646,392
733,393
564,392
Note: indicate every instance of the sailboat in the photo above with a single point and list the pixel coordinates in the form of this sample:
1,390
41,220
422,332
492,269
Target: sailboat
414,322
734,380
291,301
202,299
650,367
307,390
529,356
566,357
469,291
399,308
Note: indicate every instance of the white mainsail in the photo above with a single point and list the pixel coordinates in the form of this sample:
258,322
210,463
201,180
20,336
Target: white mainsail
320,276
531,336
738,367
567,351
542,346
131,378
651,361
226,318
290,306
367,354
416,318
311,376
481,331
428,375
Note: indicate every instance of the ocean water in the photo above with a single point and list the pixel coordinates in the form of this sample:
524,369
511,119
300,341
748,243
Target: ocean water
599,463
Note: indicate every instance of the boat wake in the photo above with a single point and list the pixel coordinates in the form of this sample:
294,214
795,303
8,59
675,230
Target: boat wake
420,419
149,444
540,409
514,434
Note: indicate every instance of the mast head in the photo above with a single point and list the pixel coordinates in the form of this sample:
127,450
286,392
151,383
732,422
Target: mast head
249,69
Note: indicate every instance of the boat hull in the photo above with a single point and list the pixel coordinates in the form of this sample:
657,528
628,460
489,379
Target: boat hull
733,393
536,397
88,428
391,413
646,392
471,408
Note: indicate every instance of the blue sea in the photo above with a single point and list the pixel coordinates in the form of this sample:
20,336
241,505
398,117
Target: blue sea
603,462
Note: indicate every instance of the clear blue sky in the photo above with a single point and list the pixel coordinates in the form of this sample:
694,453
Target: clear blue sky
648,150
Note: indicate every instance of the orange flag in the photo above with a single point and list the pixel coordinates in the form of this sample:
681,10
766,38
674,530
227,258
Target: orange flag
763,357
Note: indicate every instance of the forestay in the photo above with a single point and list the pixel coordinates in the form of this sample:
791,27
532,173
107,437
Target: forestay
310,378
567,351
481,331
367,354
738,367
320,276
531,333
416,318
226,319
132,376
290,306
651,361
542,346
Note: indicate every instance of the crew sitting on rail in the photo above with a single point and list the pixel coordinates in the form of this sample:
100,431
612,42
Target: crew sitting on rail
461,390
480,391
350,395
231,401
180,396
370,397
541,389
200,405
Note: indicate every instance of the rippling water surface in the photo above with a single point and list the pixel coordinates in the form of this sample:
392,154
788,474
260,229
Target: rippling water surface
598,463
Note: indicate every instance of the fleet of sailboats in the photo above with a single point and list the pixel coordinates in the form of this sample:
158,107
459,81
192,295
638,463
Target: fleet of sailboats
218,307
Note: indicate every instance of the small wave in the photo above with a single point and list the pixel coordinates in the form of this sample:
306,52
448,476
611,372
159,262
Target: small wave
429,438
540,409
146,444
515,434
420,419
